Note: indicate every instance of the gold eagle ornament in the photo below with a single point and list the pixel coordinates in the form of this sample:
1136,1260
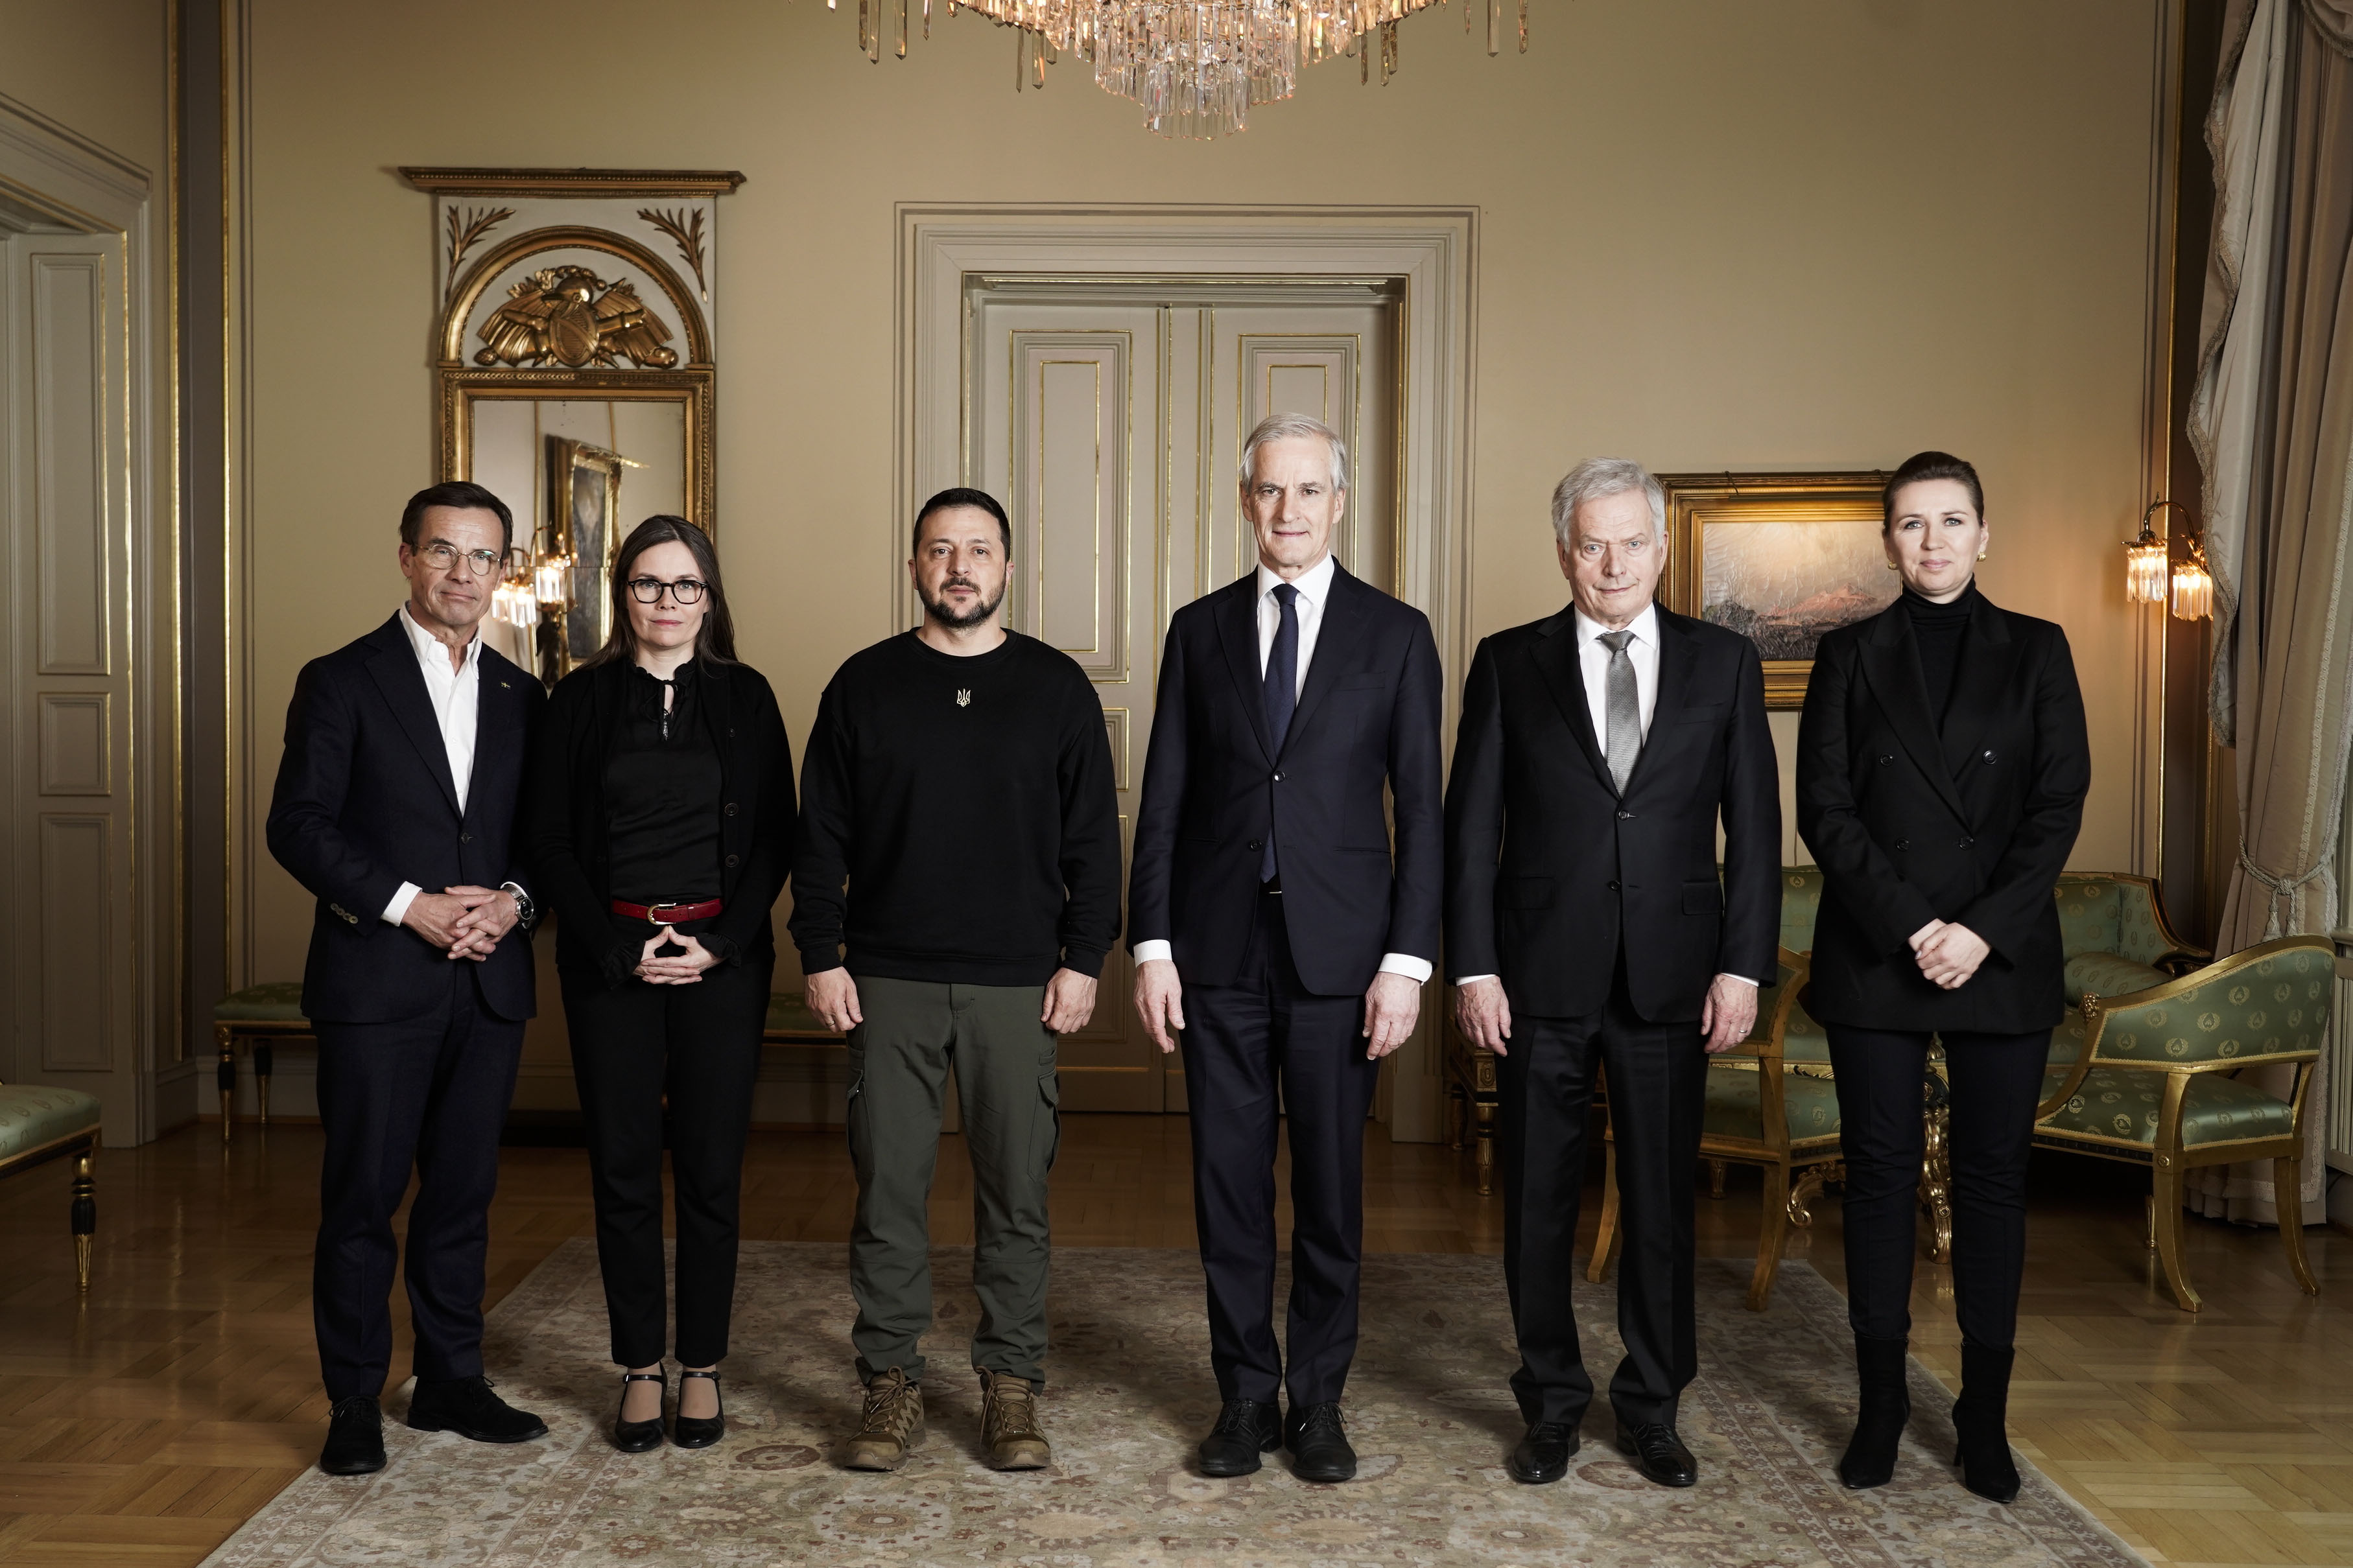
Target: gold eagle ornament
569,315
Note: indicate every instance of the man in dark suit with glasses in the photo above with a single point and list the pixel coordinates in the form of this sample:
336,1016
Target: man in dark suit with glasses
396,808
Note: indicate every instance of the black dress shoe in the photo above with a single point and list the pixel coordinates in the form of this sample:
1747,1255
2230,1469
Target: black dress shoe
1659,1453
1544,1454
1319,1444
698,1431
467,1406
638,1437
1245,1429
355,1437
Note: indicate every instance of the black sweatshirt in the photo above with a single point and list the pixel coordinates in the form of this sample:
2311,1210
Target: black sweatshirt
970,804
1938,630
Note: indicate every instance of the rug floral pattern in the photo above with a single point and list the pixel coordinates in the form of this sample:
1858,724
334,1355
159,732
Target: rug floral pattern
1428,1409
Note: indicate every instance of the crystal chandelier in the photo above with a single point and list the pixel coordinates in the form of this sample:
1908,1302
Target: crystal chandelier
1198,66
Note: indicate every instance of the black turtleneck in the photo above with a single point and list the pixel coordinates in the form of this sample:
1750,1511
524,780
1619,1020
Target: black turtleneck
1938,630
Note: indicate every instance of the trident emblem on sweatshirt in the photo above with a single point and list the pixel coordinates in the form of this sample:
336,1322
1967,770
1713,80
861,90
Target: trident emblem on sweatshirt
964,697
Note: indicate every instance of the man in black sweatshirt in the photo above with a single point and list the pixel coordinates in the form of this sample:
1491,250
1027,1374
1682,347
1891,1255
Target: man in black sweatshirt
959,779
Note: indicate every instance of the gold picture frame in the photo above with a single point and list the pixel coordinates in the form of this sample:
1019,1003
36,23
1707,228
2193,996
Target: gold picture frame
583,525
1781,558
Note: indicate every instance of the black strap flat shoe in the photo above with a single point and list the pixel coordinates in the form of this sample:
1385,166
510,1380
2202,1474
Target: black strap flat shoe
355,1443
698,1431
1659,1453
638,1437
1544,1454
1245,1429
1319,1446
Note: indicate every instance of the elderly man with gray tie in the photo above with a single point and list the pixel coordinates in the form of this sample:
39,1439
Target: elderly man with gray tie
1587,930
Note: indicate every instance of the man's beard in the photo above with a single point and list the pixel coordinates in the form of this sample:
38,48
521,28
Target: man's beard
938,608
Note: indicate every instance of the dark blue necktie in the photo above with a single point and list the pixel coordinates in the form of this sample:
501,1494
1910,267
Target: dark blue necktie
1282,694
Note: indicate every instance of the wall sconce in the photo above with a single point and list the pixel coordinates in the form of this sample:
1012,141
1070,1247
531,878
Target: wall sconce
2193,586
2146,560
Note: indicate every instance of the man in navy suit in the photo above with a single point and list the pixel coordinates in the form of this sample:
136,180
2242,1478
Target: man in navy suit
1278,931
396,807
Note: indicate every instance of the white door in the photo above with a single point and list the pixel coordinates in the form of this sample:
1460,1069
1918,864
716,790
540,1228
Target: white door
1109,417
66,843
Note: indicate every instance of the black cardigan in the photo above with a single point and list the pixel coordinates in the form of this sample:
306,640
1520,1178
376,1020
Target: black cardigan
564,812
1972,824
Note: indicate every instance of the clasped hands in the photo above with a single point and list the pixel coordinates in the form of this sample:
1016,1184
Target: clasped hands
1948,954
1484,1014
1392,1007
467,920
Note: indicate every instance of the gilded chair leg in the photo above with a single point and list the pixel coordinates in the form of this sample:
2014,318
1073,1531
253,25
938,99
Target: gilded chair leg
2166,1185
1936,1183
1772,1234
1716,1178
1605,1237
2287,1197
2151,1205
85,1216
224,1076
1810,1182
262,1061
1483,1155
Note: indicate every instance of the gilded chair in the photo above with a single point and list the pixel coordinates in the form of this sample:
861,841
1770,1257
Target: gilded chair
1762,1109
2154,1085
260,1018
38,1124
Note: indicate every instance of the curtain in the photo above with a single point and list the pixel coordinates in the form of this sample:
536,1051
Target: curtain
2272,420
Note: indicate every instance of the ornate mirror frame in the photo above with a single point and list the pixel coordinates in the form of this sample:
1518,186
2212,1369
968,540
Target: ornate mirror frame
575,285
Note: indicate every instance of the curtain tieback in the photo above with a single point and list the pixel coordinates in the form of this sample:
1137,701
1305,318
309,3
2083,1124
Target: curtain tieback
2282,889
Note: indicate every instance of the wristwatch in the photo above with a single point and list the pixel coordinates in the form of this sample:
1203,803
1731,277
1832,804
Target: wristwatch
525,910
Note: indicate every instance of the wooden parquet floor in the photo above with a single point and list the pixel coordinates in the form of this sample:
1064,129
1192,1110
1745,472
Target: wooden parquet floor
143,1425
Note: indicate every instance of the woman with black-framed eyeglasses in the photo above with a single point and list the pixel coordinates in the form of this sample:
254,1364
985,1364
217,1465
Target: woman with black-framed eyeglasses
660,824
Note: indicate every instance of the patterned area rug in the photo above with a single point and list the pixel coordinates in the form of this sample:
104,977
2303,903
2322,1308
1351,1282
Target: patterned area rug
1428,1409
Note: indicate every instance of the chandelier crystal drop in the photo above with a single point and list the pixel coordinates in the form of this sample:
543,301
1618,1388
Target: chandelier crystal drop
1197,66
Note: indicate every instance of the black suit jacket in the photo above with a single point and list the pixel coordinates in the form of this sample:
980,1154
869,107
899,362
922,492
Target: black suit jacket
1550,873
365,802
1910,825
564,832
1214,784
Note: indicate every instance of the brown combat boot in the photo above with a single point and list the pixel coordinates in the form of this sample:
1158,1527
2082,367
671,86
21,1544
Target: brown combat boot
892,1425
1010,1437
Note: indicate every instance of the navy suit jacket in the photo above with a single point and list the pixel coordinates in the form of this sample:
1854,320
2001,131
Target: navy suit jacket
1363,749
1552,874
366,802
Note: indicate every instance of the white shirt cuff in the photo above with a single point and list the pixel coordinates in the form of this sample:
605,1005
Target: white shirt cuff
1742,978
1147,951
397,911
1414,968
1467,979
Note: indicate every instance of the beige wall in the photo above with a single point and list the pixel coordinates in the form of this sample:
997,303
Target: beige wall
96,67
1713,235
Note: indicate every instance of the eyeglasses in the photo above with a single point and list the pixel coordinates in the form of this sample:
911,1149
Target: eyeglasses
649,590
444,556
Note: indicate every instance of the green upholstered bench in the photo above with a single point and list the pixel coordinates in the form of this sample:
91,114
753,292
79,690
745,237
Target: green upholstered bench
260,1017
39,1124
790,1022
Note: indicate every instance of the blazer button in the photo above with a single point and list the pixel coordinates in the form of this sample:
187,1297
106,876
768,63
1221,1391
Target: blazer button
1885,758
1992,758
1278,778
731,808
733,858
1904,844
1613,886
1256,844
1966,842
1625,816
464,838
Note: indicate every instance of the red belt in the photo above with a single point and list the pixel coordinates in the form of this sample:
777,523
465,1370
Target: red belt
669,914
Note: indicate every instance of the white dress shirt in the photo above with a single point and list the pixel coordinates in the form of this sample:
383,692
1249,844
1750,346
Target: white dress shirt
1593,663
1314,586
457,699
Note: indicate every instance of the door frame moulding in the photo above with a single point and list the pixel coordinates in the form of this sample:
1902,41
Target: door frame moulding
53,179
1428,253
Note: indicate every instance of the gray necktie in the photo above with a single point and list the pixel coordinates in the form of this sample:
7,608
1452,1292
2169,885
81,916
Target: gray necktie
1624,739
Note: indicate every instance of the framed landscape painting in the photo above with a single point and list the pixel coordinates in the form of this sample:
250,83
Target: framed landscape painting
1780,559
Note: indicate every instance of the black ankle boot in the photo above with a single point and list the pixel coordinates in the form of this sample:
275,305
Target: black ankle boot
1884,1406
1980,1419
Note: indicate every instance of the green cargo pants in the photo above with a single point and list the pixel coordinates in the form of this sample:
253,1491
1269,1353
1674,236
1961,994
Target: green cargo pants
915,1032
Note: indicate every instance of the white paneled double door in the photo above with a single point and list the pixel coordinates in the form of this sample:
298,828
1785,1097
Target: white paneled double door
1109,416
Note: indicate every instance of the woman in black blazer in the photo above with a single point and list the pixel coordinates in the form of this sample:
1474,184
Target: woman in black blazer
1942,765
659,828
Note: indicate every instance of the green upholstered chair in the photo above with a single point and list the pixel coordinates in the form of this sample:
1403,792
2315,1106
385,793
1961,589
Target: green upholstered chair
38,1124
260,1017
2153,1084
1762,1111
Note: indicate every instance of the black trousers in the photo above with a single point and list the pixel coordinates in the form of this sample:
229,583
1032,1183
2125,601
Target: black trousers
1996,1081
1261,1051
700,1045
428,1094
1658,1091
